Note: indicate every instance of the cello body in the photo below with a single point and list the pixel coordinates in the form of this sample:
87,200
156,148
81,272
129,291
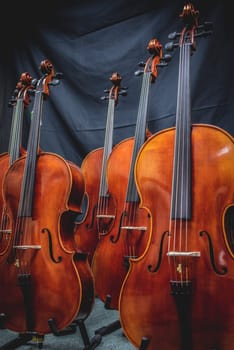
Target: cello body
149,306
60,278
4,239
85,231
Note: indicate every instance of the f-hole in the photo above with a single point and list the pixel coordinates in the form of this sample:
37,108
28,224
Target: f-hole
229,229
59,259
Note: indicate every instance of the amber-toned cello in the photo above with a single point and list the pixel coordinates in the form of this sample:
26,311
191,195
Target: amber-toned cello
93,167
50,282
18,102
129,232
179,293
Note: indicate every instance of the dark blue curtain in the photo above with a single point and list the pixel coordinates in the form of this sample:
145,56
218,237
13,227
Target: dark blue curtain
89,40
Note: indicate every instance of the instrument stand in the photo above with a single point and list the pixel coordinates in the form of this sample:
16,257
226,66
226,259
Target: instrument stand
69,330
89,344
144,343
22,339
26,337
110,327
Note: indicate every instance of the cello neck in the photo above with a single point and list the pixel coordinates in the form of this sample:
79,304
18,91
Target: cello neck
140,132
108,143
27,188
181,188
181,199
21,101
107,146
149,75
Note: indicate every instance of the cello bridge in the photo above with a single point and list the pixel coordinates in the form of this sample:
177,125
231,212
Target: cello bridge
23,247
138,228
6,231
185,254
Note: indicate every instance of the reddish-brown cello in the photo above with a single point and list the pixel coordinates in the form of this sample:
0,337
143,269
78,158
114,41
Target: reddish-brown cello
50,282
129,232
179,293
97,200
18,102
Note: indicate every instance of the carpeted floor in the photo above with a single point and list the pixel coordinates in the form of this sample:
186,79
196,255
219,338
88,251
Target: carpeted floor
99,318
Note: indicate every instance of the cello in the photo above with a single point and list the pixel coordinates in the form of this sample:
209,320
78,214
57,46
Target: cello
183,283
93,167
19,101
129,232
51,283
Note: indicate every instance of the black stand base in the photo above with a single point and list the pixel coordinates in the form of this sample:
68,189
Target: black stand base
69,330
144,343
112,326
23,339
15,343
90,344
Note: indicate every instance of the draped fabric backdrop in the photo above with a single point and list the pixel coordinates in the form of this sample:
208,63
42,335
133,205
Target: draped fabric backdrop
89,40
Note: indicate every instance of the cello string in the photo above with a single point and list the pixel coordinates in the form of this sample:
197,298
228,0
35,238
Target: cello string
109,142
187,149
132,190
27,195
103,200
182,147
13,147
176,169
182,151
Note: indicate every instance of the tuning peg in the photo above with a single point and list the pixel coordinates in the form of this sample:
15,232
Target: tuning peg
107,90
54,82
123,92
207,26
141,64
34,82
58,75
15,93
173,35
166,58
56,79
205,29
138,72
170,46
12,101
163,61
31,92
104,98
